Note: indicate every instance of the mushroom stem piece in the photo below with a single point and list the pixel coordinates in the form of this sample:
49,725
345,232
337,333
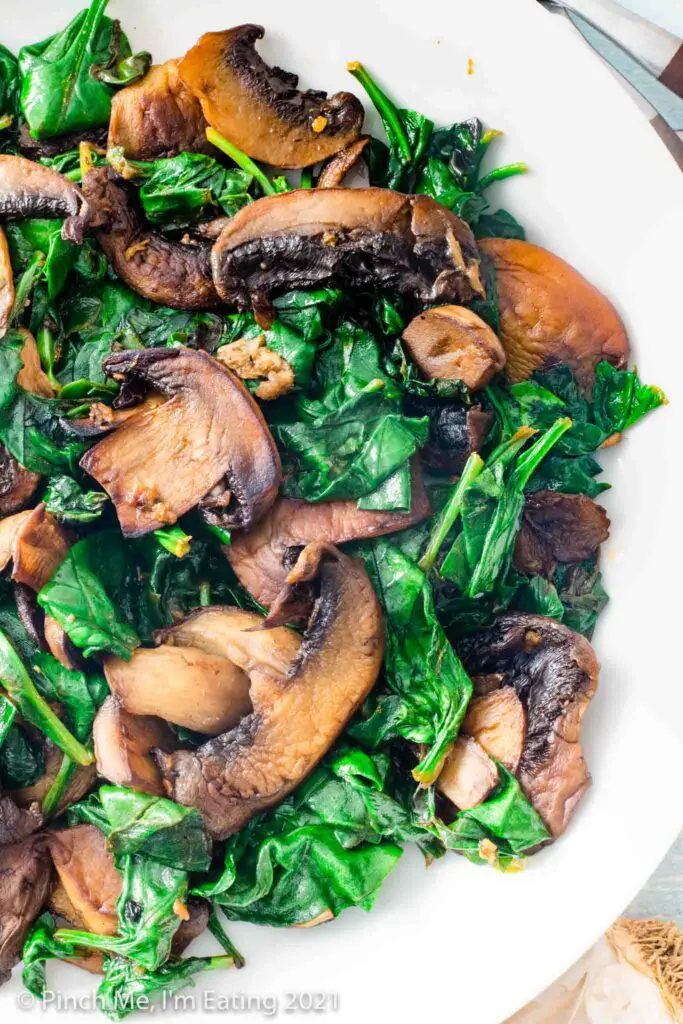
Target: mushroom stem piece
296,716
28,189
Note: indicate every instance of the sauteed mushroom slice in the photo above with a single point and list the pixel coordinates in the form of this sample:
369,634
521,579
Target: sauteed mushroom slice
297,716
558,528
497,721
155,266
549,313
183,685
350,237
29,189
123,745
17,823
555,674
17,484
468,774
453,343
86,871
81,781
455,432
334,172
6,284
32,377
164,460
35,544
157,116
24,881
259,108
259,556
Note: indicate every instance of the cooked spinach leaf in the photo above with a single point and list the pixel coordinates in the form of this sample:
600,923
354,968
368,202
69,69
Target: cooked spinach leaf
126,987
21,762
69,503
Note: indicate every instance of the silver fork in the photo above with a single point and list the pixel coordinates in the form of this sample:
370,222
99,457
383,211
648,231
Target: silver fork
630,67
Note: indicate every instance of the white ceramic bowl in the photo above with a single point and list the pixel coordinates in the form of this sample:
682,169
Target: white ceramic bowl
457,942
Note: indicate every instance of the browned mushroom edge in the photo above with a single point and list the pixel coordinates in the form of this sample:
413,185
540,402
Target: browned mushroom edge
209,433
554,672
556,528
259,108
25,870
29,189
347,236
296,716
453,343
157,267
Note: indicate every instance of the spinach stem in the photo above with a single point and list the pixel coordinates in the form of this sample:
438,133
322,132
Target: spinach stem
26,284
387,110
450,513
241,159
217,930
205,594
59,785
500,174
306,178
174,540
529,461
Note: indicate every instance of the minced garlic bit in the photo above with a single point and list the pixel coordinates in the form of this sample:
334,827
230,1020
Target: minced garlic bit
319,124
181,911
251,359
470,66
135,248
488,851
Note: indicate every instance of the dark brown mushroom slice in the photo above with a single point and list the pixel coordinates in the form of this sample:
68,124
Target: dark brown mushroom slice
6,284
259,556
157,267
554,672
453,343
296,717
334,172
87,872
29,189
549,313
25,871
16,823
259,108
455,431
37,149
80,783
558,528
162,461
158,116
355,237
103,419
35,544
123,745
17,484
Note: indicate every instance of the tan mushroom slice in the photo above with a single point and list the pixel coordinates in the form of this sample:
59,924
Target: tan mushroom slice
29,189
157,116
155,266
60,646
258,556
24,882
17,484
123,744
32,377
183,685
259,108
6,284
296,716
549,313
468,774
161,462
334,172
87,872
35,544
355,237
497,722
555,674
453,343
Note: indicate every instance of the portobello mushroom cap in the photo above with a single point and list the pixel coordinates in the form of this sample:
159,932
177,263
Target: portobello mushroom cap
558,528
549,313
554,672
164,460
259,108
29,189
17,484
298,715
157,267
453,343
157,116
6,284
25,870
123,745
350,237
259,557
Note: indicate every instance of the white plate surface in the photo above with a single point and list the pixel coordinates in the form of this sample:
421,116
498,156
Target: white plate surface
455,942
